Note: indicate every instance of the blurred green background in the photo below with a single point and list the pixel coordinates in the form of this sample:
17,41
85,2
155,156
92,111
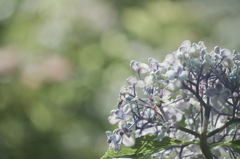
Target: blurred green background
62,63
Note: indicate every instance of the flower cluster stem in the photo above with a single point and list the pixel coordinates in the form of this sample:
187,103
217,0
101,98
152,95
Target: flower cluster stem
203,136
205,147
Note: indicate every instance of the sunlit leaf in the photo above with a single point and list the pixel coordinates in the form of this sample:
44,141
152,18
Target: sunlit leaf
144,146
182,122
235,145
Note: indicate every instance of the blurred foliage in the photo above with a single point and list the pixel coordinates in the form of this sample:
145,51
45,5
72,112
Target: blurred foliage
62,63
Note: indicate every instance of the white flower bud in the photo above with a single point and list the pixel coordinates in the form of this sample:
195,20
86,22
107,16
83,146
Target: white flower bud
161,135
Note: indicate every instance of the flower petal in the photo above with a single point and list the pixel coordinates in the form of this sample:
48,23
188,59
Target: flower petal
109,134
228,63
191,50
122,124
128,141
236,57
210,92
169,60
161,135
151,61
140,84
201,44
219,87
133,65
143,68
175,85
183,75
114,118
186,43
226,93
148,80
171,74
146,131
117,147
226,53
178,69
183,49
132,80
217,50
126,109
153,64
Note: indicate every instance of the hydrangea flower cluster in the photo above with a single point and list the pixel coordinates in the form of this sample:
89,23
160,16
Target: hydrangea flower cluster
193,95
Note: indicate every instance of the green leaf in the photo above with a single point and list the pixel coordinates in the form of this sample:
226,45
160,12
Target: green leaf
144,146
235,145
174,94
182,122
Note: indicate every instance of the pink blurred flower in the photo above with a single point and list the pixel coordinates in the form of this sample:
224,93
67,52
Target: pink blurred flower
56,69
8,61
53,69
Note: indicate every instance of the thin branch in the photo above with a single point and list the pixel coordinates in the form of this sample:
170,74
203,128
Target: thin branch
196,95
189,131
236,120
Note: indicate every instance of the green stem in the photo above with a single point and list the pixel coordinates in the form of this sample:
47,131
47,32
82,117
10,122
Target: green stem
205,147
203,136
189,131
235,120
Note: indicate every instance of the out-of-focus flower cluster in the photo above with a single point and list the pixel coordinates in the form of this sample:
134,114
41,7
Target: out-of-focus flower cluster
169,98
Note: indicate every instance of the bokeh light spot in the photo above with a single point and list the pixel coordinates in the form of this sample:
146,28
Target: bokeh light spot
41,117
91,58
